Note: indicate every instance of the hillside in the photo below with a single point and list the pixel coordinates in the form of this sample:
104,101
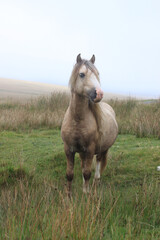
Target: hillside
26,89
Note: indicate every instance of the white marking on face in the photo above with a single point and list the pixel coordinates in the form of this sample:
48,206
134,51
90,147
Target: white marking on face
95,81
91,76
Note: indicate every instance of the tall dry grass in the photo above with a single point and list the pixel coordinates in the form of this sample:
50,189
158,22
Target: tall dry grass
134,117
31,211
35,212
44,111
141,118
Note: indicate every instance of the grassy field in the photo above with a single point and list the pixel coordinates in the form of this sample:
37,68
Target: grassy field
33,203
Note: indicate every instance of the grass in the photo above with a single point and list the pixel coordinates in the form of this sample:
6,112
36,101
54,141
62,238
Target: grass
33,203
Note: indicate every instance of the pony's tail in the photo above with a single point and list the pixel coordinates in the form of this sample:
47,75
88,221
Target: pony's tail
103,161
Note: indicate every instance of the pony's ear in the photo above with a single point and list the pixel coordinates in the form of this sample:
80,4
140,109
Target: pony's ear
79,59
92,60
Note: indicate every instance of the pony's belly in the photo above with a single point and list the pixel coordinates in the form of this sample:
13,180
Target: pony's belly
106,141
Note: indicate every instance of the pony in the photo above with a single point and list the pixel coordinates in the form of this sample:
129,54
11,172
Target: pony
89,126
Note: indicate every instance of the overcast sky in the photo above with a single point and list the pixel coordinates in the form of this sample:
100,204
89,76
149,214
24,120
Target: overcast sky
39,41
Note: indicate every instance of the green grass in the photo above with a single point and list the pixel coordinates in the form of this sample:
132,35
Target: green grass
38,152
33,202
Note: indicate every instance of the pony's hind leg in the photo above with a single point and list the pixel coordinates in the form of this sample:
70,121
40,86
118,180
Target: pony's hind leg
101,162
70,169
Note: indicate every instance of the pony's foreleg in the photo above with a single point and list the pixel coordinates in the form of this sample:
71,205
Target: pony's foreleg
86,170
70,169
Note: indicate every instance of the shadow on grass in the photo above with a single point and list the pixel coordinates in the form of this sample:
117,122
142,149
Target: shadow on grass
10,176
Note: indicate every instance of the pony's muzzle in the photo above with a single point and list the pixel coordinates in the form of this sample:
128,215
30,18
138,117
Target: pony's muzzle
96,95
99,95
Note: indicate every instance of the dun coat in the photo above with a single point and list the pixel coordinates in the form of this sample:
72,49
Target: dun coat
89,126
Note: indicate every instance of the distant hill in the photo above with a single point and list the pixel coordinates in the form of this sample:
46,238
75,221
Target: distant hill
18,88
27,89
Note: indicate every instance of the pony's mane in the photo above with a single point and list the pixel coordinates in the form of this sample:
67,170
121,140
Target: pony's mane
94,107
97,113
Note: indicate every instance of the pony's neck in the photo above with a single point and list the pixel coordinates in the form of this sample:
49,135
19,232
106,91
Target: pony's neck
79,106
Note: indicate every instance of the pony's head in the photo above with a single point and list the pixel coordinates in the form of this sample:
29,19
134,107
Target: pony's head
85,81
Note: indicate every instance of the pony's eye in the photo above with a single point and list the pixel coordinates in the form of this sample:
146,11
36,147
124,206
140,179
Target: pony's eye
82,75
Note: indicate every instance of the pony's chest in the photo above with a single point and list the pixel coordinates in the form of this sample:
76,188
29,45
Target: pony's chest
78,135
78,139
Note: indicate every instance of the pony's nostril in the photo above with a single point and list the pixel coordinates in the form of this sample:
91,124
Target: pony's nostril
93,94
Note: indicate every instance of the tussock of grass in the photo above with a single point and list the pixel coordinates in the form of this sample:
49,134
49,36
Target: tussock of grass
10,176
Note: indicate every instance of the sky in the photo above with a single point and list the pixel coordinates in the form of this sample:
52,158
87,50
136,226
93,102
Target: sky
40,40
